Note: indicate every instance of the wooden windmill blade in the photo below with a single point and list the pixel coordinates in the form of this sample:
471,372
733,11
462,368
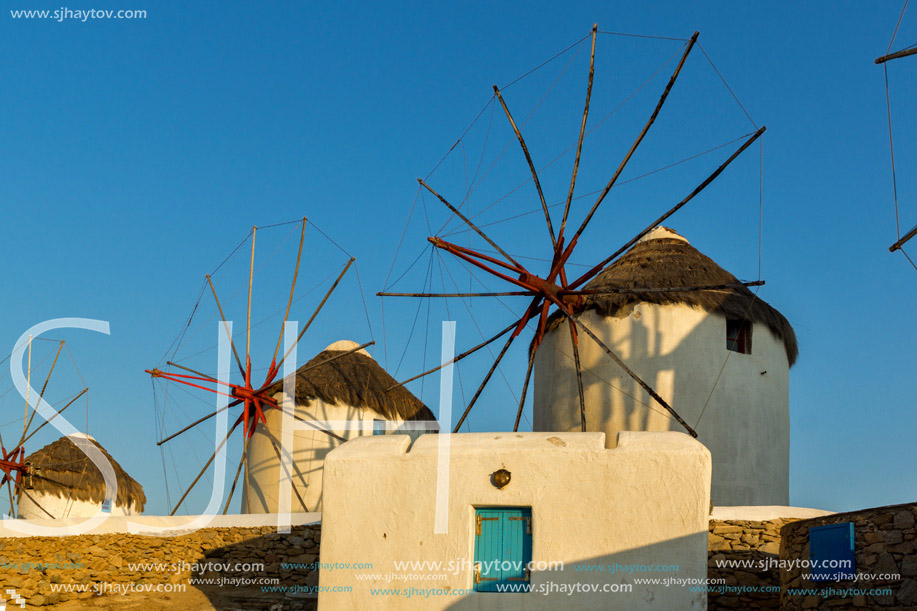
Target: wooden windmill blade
897,55
255,398
554,291
883,61
14,465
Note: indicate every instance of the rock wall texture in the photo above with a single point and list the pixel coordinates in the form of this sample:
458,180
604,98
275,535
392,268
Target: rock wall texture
752,549
221,560
242,560
885,545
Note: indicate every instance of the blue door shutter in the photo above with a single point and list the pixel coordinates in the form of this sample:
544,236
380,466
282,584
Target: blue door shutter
502,548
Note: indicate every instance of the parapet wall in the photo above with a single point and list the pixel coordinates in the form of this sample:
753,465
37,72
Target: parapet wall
743,553
645,502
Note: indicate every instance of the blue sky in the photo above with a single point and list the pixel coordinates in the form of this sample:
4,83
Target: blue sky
134,155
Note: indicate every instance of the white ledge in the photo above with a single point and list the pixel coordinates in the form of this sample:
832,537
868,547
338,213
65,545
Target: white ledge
152,525
761,513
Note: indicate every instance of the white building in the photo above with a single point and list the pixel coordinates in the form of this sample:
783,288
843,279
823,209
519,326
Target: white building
720,358
543,513
349,396
62,482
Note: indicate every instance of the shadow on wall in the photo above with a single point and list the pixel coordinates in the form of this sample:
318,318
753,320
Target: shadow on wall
737,402
633,579
272,572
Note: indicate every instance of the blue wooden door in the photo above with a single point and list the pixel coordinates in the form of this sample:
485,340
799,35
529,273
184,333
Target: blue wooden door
502,547
831,549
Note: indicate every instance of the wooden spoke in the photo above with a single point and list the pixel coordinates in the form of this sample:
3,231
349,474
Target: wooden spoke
42,393
528,158
315,313
461,250
56,414
36,503
910,234
204,470
646,128
468,222
525,388
302,503
504,294
237,401
196,422
630,372
248,316
469,352
579,374
195,372
225,325
595,270
235,479
25,416
896,55
320,429
302,239
582,133
493,367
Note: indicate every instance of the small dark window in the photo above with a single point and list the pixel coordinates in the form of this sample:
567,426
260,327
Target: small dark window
738,336
378,427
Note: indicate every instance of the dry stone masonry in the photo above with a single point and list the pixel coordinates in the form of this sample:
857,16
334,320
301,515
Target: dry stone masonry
754,544
885,544
254,554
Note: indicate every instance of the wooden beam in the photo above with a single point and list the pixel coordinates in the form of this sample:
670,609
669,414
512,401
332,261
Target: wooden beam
525,388
204,470
317,310
633,147
896,55
468,222
595,270
582,134
480,389
528,158
469,352
910,234
579,375
225,326
302,239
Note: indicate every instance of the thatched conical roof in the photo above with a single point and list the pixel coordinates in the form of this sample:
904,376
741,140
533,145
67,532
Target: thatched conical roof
62,469
664,259
356,380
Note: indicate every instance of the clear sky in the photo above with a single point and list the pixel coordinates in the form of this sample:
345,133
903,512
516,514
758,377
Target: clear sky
135,154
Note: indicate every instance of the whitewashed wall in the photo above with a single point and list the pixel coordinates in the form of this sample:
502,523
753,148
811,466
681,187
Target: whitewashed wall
644,502
680,351
310,446
64,508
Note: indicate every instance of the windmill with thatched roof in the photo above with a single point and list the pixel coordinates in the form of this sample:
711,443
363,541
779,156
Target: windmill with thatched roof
553,293
343,385
342,376
62,482
722,355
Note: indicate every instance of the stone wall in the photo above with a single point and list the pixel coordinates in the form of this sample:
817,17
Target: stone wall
755,544
103,562
885,543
